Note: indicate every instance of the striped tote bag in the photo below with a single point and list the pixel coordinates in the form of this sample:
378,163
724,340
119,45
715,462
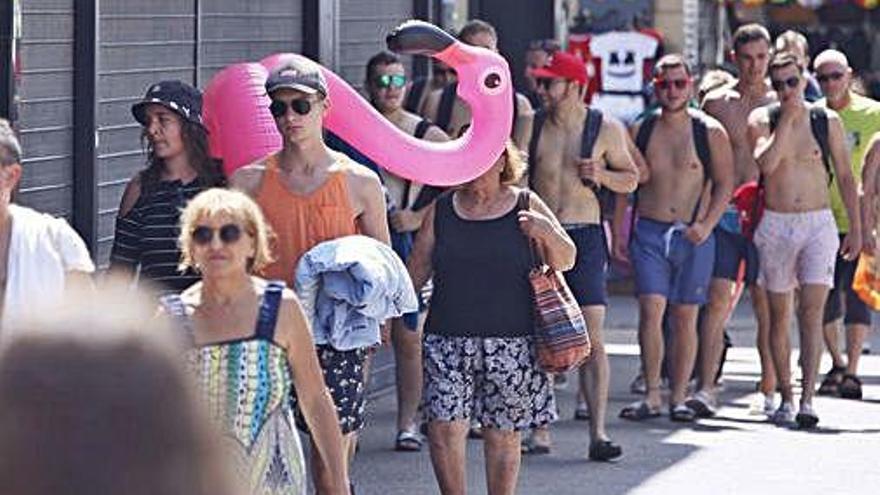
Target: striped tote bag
561,338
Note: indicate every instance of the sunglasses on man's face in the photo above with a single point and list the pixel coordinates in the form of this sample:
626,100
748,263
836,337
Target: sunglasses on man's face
667,83
780,84
831,76
386,81
302,106
229,234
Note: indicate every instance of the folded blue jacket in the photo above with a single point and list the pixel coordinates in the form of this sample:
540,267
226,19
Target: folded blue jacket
349,286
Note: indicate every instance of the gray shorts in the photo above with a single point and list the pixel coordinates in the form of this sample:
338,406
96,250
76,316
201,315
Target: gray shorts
493,380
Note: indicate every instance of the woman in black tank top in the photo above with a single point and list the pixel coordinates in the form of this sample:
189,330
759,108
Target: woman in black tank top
479,360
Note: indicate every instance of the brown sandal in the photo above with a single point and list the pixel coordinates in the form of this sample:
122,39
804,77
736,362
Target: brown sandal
830,385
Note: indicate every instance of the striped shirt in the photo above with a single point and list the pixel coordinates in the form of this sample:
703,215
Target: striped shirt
146,236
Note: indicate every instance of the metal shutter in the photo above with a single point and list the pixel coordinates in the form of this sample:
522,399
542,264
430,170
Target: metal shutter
362,30
236,31
46,105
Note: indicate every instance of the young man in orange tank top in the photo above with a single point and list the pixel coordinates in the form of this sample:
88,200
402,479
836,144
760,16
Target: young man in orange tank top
303,175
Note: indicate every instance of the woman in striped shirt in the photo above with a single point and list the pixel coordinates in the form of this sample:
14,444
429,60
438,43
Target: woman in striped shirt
178,168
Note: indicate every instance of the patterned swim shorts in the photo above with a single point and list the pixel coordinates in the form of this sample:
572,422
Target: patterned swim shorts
493,380
344,375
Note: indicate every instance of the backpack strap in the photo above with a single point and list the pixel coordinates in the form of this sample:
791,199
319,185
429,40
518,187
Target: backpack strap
414,95
419,133
175,307
422,128
701,142
537,125
592,127
268,312
645,130
819,126
444,108
515,113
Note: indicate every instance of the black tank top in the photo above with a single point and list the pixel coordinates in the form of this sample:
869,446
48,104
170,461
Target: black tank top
481,267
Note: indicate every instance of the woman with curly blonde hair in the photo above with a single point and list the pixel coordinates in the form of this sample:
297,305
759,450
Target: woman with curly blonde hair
251,345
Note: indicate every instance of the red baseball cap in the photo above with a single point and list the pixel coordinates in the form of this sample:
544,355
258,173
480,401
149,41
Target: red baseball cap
565,66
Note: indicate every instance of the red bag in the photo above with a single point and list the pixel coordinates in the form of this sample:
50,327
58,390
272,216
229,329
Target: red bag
749,202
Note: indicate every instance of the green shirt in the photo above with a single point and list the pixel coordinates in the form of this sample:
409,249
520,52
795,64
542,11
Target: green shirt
861,119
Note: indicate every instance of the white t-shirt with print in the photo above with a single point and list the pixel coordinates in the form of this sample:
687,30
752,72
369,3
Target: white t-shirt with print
623,55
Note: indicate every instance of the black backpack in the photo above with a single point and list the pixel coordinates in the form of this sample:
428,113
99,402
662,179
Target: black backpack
819,126
701,142
592,126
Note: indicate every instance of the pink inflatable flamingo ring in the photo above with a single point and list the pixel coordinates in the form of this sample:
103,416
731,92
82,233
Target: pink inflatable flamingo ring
242,130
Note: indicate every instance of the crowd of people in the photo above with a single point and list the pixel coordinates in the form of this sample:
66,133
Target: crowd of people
726,181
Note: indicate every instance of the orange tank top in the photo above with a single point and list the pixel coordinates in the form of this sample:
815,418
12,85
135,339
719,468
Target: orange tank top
302,221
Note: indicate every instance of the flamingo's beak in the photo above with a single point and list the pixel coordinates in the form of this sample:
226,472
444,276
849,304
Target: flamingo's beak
418,38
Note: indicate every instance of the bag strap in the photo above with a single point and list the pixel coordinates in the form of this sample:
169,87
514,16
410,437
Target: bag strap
444,108
537,125
523,204
414,95
701,142
268,313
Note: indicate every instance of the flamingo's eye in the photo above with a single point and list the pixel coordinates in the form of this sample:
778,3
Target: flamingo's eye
492,81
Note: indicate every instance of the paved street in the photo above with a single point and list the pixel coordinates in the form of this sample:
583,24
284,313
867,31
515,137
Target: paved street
735,452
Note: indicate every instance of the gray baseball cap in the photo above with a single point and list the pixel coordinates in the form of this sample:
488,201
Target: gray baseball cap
300,75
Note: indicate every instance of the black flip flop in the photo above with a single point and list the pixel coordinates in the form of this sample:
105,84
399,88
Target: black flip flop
639,411
850,387
605,451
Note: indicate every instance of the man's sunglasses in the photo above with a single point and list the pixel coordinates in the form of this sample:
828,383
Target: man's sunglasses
302,106
791,82
387,81
229,234
666,83
831,76
545,82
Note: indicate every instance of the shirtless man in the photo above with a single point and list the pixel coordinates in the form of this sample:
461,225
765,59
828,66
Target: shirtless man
673,246
303,181
797,236
731,106
385,83
482,34
566,182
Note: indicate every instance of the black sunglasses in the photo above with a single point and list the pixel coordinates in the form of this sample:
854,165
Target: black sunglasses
302,106
388,80
791,82
229,234
666,83
545,82
831,76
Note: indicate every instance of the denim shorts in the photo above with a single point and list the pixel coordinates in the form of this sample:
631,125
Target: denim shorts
666,263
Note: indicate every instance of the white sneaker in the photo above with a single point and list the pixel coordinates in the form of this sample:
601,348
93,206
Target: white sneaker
784,415
763,405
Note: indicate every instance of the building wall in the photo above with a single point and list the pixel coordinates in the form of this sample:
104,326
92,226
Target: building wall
362,30
45,108
142,42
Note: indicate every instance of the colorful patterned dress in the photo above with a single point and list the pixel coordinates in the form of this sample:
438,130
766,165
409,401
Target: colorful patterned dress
246,385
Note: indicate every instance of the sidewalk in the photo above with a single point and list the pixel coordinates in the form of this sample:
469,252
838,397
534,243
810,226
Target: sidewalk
733,453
